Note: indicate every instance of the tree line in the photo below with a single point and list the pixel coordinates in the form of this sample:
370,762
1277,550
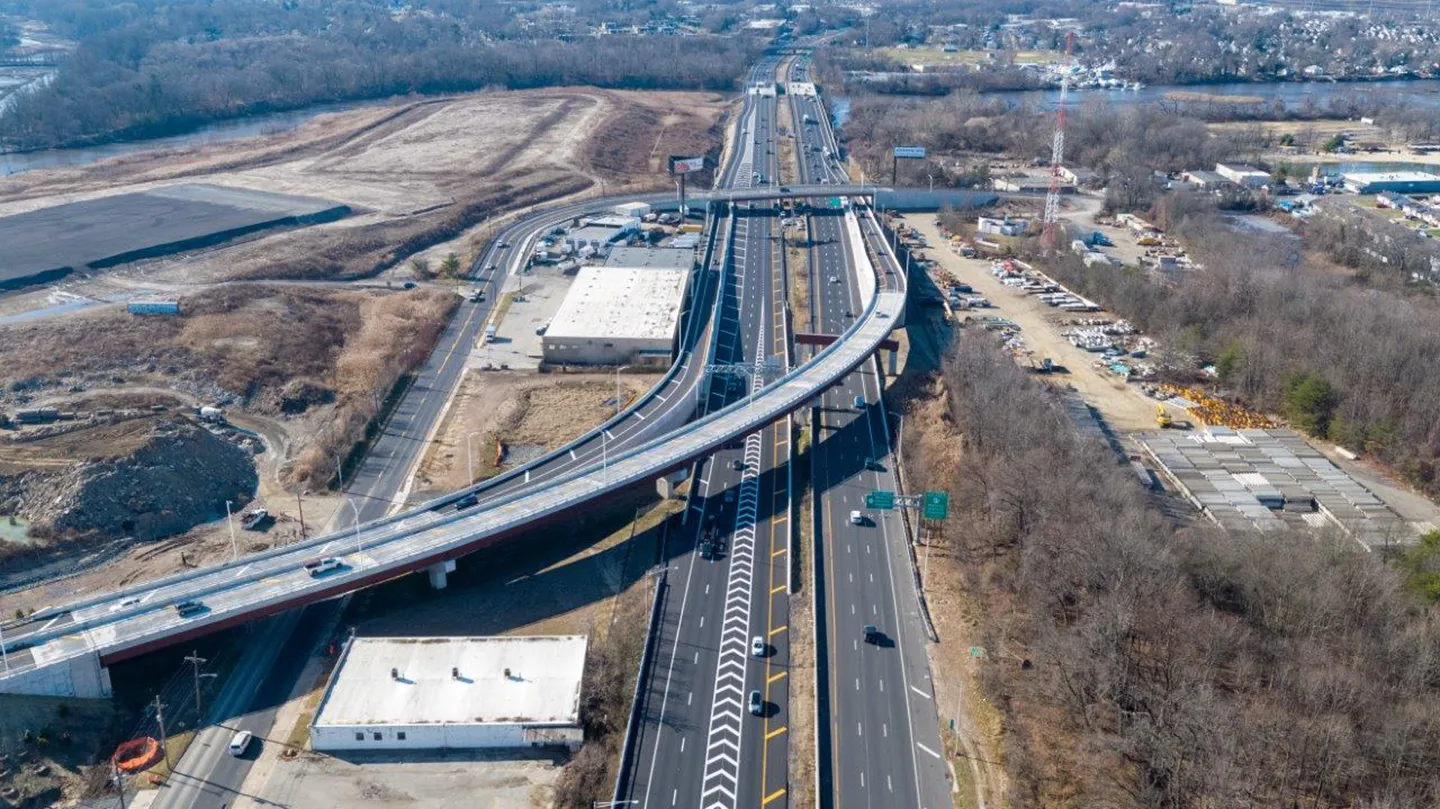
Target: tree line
135,76
1139,663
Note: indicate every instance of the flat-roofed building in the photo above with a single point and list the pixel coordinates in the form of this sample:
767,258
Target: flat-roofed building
1401,182
662,258
1242,174
453,693
617,315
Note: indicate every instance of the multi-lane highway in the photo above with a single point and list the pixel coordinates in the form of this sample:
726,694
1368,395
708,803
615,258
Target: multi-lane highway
879,739
722,630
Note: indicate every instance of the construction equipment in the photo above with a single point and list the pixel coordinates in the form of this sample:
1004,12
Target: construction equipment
1162,417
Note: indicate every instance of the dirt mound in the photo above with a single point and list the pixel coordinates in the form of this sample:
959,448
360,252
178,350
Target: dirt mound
174,477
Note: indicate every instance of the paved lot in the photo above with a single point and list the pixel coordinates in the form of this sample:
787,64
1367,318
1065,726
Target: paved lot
42,244
516,344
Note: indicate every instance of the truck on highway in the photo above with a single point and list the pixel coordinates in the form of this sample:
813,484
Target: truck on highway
476,295
489,335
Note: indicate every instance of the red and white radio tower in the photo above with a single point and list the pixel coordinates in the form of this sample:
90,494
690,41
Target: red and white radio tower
1051,235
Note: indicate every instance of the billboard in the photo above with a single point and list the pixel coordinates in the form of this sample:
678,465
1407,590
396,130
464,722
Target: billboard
686,165
915,152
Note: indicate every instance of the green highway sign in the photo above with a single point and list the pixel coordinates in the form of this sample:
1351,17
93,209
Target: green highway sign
936,506
880,499
836,203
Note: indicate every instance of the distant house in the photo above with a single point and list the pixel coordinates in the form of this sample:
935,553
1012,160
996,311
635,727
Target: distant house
1207,180
1079,176
1027,185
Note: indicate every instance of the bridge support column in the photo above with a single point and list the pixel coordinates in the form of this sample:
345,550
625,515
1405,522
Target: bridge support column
894,363
82,676
439,571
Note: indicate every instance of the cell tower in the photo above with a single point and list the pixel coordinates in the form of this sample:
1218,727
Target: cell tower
1050,236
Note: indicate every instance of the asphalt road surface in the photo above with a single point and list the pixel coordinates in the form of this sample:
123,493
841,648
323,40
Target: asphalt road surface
879,743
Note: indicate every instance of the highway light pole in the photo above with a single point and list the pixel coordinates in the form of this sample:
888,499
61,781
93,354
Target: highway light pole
469,458
617,389
4,654
230,522
356,510
339,470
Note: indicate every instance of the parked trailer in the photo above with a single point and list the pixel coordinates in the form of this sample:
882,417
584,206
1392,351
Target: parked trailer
150,308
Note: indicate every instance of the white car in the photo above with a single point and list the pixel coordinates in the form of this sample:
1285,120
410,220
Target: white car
757,646
240,742
319,567
856,518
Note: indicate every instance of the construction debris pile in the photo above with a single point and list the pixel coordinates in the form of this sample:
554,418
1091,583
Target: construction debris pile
1210,410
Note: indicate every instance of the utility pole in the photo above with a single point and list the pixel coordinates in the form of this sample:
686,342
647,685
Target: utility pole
300,505
164,740
197,661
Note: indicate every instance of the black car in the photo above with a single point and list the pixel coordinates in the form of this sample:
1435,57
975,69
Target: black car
465,502
872,634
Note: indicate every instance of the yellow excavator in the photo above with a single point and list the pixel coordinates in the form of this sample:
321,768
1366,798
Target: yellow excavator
1162,417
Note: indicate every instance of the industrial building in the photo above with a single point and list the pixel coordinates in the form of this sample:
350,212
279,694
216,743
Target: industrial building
663,258
601,232
1401,182
1241,174
617,315
453,693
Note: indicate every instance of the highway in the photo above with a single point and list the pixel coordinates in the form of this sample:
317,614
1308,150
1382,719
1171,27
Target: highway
879,742
698,743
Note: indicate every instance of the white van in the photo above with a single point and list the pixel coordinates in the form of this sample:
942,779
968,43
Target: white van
856,518
489,334
240,742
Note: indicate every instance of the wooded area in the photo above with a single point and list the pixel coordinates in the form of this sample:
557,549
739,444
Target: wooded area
1140,665
1342,358
139,73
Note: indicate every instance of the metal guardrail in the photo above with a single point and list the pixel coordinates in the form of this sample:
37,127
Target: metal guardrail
627,746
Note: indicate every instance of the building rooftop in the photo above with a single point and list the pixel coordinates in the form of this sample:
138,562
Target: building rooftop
543,686
593,233
620,302
1369,177
665,258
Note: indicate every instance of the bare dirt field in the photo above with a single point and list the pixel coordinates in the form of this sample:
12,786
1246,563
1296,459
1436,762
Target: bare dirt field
1125,408
528,413
419,174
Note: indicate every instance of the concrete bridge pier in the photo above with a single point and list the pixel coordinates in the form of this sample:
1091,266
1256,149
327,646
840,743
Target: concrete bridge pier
438,573
82,676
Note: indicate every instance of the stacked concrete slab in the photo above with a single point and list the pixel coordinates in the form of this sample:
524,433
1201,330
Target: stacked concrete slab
1268,479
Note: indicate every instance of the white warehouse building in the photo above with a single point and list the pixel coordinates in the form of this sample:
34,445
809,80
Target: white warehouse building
617,315
453,693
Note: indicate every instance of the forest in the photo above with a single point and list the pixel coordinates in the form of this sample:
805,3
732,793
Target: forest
155,67
1140,663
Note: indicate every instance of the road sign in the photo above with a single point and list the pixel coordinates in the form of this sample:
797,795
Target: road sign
910,152
936,506
836,203
880,499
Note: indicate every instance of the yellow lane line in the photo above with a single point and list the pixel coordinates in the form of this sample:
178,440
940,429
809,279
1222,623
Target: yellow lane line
776,732
775,677
773,795
777,630
777,588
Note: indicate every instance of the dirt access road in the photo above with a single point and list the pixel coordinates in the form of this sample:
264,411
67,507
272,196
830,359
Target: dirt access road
1124,407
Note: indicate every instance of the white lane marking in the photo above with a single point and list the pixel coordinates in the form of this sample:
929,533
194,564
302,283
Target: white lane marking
918,691
928,750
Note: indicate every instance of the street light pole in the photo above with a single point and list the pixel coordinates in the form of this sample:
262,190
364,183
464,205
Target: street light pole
230,521
469,458
339,470
356,510
617,389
